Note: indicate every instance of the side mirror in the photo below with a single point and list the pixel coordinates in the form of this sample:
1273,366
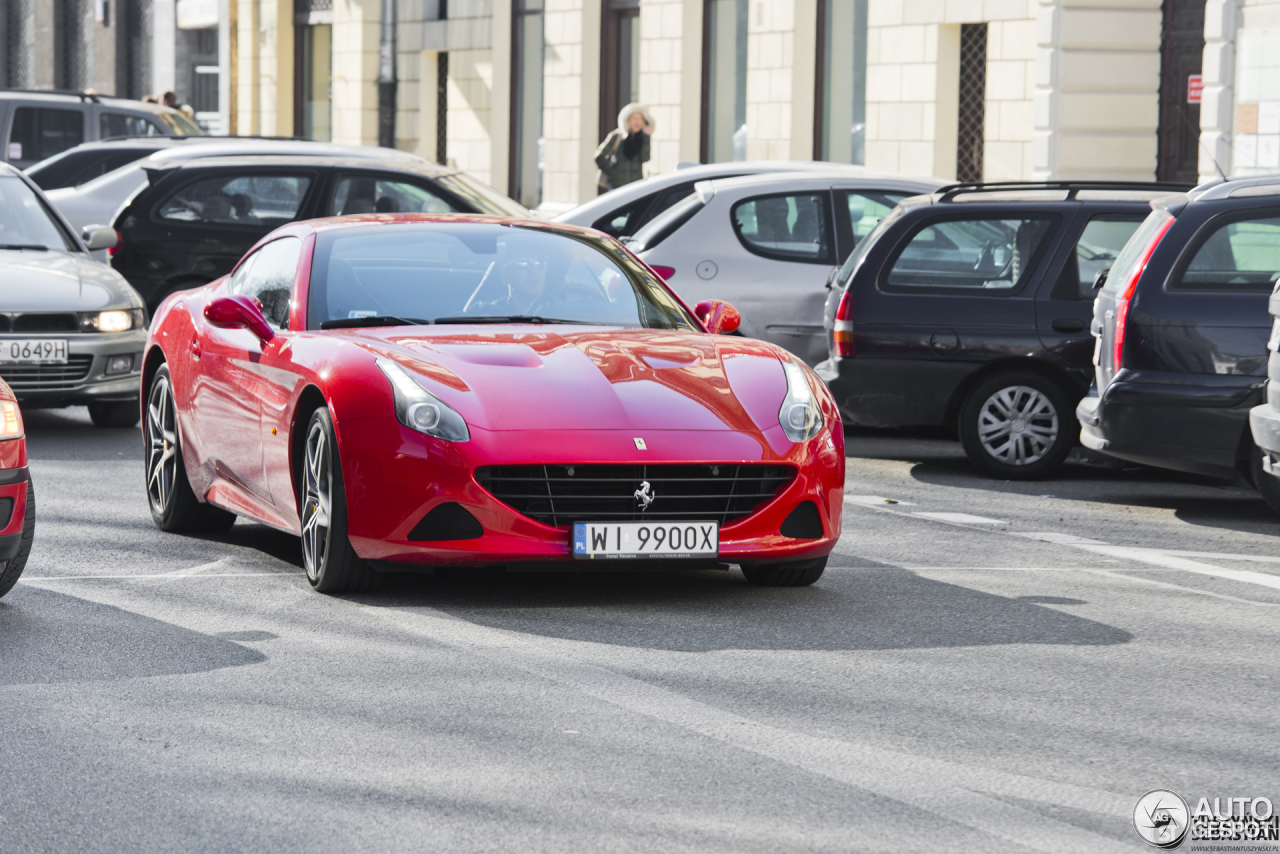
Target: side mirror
99,237
239,312
718,316
1100,278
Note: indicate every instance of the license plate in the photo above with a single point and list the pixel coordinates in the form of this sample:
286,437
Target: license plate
620,540
34,351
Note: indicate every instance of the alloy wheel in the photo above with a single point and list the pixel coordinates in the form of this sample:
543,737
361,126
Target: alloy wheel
1018,425
318,489
162,446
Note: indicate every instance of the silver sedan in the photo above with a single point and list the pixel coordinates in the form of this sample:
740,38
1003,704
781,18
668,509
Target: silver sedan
71,328
768,244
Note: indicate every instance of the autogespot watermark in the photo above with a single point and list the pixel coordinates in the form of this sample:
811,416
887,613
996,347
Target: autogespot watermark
1164,819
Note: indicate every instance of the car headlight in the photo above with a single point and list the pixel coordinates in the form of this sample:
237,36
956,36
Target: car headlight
114,320
799,416
10,420
419,409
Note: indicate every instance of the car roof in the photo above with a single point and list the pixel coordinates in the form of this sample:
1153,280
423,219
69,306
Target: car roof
595,208
336,223
204,147
62,96
1040,192
810,179
416,165
1235,188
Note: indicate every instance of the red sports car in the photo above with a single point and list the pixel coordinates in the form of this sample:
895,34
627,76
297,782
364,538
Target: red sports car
17,495
415,391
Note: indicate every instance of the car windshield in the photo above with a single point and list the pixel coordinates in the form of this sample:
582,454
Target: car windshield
25,223
485,199
482,273
179,125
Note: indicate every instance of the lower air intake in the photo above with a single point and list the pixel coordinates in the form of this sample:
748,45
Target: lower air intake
447,522
803,523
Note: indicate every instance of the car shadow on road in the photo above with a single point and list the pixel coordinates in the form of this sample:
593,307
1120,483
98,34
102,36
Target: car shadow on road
51,637
866,607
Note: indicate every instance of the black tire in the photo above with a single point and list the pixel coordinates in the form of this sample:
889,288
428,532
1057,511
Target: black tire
13,569
1037,446
125,414
174,506
1268,485
796,573
331,563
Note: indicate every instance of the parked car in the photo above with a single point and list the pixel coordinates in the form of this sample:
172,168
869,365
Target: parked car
412,391
969,309
767,243
71,328
17,493
80,165
622,212
197,218
96,203
1264,419
1182,325
37,124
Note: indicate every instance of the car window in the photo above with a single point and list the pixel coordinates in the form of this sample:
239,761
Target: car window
361,194
40,132
786,227
479,271
981,254
1131,256
123,124
864,246
867,209
483,198
180,125
267,276
25,222
250,200
668,223
624,221
1239,255
1104,236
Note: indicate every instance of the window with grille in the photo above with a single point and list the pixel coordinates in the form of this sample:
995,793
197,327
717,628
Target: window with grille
973,93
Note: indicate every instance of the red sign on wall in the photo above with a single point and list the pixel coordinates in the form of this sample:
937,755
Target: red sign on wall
1195,88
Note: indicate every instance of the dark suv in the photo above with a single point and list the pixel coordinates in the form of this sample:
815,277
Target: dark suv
1182,327
970,308
196,218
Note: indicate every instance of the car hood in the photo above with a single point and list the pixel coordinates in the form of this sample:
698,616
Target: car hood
574,378
60,281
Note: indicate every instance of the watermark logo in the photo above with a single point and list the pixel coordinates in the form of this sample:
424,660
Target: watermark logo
1161,818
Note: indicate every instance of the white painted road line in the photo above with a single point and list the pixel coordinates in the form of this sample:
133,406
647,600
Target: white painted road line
960,518
967,795
875,501
1061,539
1156,557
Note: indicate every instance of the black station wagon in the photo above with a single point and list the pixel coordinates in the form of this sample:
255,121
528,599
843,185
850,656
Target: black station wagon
197,218
970,308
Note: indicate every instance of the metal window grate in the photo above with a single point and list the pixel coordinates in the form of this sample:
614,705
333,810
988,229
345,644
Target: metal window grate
442,107
564,494
973,93
37,377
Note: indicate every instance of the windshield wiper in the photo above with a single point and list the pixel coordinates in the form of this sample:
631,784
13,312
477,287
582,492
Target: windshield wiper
509,318
376,320
35,246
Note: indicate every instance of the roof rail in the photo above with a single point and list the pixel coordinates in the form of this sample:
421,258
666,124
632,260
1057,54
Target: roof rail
74,93
1072,187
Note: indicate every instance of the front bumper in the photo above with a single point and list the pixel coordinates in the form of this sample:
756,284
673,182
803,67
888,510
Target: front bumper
13,494
394,477
1264,421
84,379
1185,422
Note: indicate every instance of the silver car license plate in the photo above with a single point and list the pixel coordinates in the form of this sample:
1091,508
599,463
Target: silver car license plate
622,540
33,351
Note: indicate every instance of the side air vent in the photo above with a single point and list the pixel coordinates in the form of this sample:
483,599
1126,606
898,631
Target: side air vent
804,523
447,522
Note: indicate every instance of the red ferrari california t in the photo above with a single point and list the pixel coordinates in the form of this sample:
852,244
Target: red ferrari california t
413,391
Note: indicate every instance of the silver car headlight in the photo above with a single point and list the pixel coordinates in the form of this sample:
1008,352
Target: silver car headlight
419,409
113,320
800,416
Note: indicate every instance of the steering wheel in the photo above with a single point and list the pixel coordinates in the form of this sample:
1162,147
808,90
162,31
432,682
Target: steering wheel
559,295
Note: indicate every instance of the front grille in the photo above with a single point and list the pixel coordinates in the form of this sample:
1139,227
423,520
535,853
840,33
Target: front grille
38,377
38,322
564,494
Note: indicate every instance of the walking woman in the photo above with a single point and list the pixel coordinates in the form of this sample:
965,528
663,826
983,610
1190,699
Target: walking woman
622,155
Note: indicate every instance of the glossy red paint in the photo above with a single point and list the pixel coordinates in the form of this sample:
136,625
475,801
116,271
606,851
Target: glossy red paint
529,394
239,312
13,473
717,316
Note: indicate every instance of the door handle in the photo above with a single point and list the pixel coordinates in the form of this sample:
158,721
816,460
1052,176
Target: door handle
1068,324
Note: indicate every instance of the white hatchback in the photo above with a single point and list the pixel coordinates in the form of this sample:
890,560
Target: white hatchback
768,244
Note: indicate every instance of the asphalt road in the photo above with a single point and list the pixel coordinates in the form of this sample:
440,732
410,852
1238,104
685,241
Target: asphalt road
1009,679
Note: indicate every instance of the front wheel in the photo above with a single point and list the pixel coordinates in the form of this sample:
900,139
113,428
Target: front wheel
9,574
796,573
1018,426
174,506
331,563
114,414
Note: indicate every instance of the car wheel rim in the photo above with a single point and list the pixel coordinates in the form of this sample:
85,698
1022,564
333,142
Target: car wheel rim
318,487
162,447
1018,425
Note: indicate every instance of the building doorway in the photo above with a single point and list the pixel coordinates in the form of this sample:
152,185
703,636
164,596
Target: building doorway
620,71
1181,53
